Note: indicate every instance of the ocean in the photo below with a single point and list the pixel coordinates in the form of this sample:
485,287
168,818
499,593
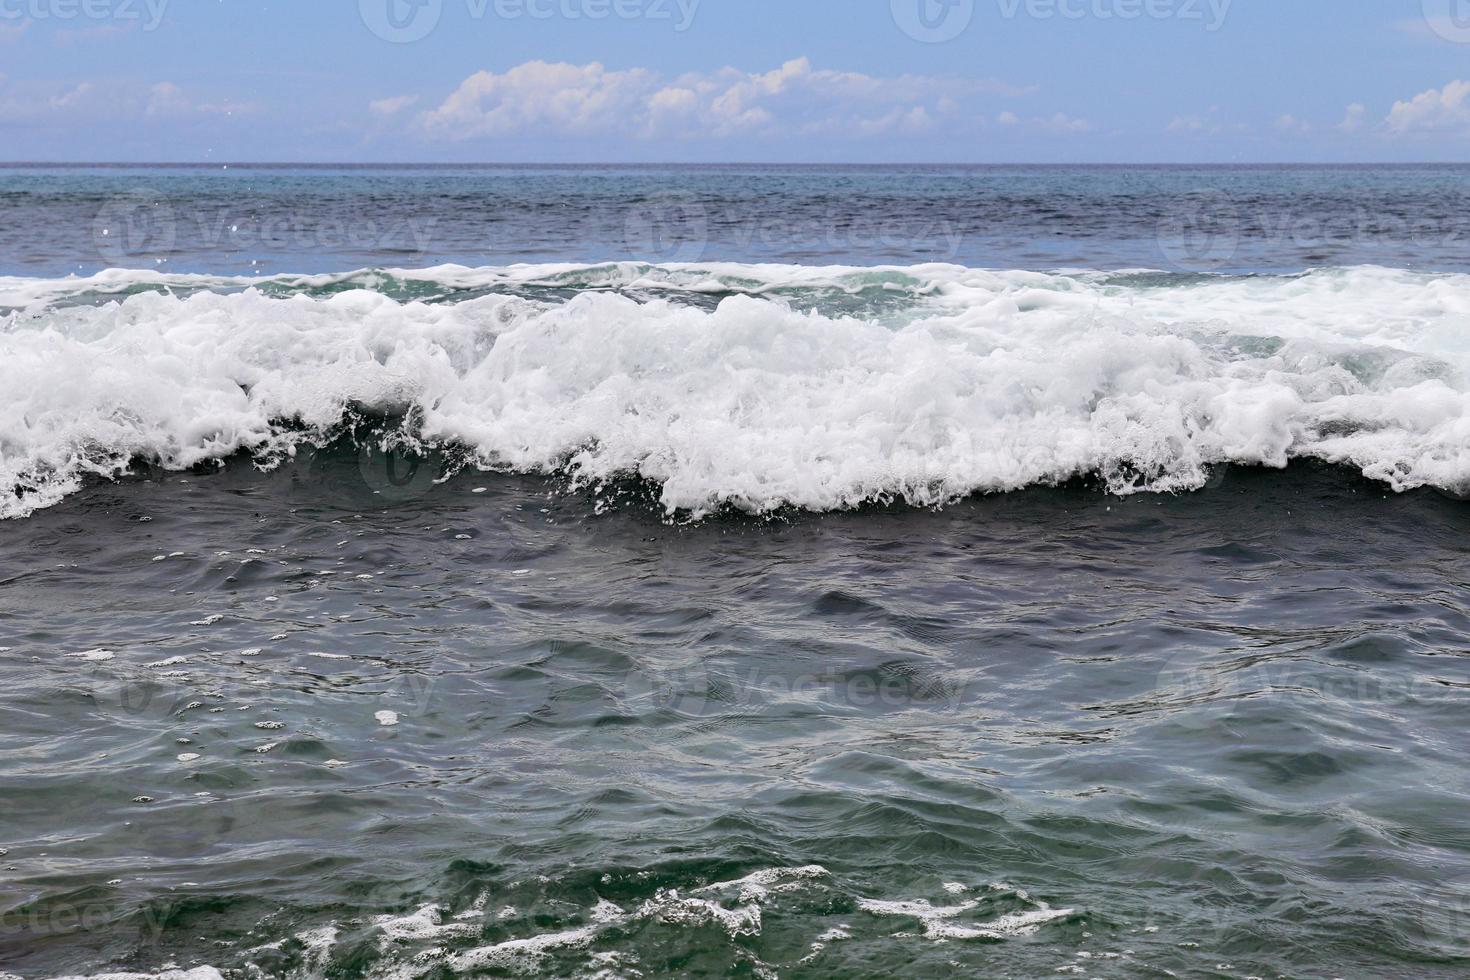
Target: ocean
735,571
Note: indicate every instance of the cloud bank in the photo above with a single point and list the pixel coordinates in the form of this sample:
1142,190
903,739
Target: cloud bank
795,99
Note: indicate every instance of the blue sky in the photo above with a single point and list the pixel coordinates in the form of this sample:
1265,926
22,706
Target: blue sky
745,80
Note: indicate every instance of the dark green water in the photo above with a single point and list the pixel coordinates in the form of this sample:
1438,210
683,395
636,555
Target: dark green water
345,720
1049,733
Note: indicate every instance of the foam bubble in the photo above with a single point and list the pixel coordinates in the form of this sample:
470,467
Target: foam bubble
427,922
198,973
93,656
758,886
985,381
516,953
670,908
939,925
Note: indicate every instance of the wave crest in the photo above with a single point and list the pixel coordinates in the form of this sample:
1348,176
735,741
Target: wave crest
760,387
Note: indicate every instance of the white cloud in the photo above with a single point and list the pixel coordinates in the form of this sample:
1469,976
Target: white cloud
1355,119
31,101
673,102
1435,110
794,99
1060,122
168,99
1209,124
28,101
1292,126
541,96
73,97
915,120
393,106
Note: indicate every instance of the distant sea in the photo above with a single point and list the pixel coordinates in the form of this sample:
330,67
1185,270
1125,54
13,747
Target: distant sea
734,571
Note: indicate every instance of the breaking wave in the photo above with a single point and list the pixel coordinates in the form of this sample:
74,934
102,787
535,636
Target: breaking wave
752,386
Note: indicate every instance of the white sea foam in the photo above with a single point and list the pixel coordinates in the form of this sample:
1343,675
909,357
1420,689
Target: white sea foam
433,924
198,973
939,925
758,886
981,381
431,940
425,923
93,656
518,953
670,908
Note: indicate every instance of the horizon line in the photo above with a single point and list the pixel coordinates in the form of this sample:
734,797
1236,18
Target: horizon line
141,164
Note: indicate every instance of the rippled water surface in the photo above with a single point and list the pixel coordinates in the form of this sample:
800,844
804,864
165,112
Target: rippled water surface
1038,573
271,219
339,720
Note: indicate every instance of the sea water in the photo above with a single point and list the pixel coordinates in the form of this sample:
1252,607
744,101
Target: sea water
734,571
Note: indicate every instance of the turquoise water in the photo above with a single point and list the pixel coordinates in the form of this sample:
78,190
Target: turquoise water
723,619
234,219
1200,735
